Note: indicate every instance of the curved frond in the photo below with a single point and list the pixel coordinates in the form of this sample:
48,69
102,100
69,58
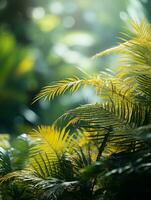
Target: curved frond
72,85
137,48
114,50
60,87
119,120
50,188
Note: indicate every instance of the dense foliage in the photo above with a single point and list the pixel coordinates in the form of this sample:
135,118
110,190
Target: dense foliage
96,151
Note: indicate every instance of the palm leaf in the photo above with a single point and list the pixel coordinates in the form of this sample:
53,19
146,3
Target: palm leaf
49,139
100,119
60,87
137,47
72,85
50,151
97,120
50,188
114,50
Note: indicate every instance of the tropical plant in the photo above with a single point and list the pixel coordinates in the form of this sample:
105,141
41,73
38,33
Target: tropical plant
13,157
103,150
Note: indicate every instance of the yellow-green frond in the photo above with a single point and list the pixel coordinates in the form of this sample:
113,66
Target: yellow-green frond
9,176
114,50
139,78
97,121
52,145
51,140
141,30
70,84
105,84
112,120
136,48
60,87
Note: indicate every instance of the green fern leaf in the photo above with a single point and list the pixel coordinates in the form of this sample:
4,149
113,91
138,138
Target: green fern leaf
60,87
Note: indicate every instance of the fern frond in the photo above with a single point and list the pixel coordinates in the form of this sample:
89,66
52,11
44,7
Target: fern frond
135,71
9,176
107,87
52,145
51,140
50,188
114,50
136,49
140,78
120,119
142,30
70,84
60,87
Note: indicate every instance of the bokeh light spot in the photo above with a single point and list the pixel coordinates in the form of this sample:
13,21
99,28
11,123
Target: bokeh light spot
68,22
38,13
56,8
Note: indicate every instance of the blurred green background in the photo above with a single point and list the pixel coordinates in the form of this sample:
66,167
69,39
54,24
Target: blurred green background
46,40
